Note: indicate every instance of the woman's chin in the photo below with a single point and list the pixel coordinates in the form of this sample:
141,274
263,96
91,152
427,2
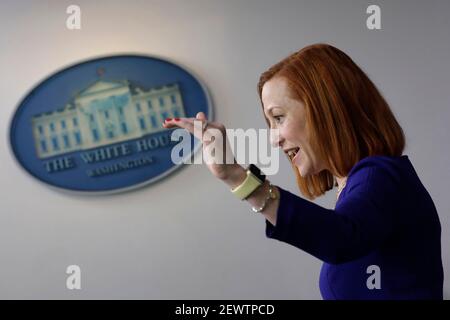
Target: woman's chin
303,170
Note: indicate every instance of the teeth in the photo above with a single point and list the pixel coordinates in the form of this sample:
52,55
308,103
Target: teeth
292,153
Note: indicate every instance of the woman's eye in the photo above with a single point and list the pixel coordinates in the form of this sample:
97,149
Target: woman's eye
278,118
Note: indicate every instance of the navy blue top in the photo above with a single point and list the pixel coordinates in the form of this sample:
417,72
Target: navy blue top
384,219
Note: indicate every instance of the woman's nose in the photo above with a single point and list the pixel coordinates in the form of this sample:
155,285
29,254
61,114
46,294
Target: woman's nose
275,138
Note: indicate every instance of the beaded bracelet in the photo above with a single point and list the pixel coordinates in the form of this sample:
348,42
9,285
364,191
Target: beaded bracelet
272,195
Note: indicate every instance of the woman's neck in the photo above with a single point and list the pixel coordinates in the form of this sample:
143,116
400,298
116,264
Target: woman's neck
341,181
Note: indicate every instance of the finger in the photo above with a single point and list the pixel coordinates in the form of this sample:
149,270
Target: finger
177,122
201,116
187,124
170,122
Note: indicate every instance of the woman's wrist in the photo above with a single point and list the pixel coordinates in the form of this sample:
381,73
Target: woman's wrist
236,176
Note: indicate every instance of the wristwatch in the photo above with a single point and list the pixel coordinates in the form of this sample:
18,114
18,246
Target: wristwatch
254,179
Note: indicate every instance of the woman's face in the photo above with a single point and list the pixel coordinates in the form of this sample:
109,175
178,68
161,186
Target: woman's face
287,114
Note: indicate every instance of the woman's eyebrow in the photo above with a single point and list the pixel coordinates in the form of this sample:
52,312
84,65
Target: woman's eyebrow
273,106
270,109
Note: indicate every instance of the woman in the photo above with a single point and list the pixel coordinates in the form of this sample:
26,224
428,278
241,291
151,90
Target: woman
382,240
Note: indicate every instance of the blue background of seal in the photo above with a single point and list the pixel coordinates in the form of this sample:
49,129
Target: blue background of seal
61,87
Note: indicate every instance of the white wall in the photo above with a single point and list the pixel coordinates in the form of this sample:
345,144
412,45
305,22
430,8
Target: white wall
187,237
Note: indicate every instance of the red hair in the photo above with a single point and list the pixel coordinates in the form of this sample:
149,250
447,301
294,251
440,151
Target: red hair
346,116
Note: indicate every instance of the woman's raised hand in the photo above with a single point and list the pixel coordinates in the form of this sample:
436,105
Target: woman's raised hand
219,157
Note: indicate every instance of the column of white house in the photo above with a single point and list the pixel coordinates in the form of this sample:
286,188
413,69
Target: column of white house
66,124
76,134
106,119
165,101
101,124
128,115
94,126
139,105
122,123
176,102
151,116
145,103
83,127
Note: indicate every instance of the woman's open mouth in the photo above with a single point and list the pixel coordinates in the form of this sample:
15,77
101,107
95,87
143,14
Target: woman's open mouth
292,153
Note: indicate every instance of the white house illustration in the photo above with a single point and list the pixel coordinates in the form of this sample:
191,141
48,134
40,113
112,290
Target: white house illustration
104,113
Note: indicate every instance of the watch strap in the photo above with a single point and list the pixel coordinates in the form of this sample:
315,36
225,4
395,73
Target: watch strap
250,184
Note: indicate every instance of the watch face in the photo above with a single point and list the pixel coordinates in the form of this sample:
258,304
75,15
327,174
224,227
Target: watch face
257,172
